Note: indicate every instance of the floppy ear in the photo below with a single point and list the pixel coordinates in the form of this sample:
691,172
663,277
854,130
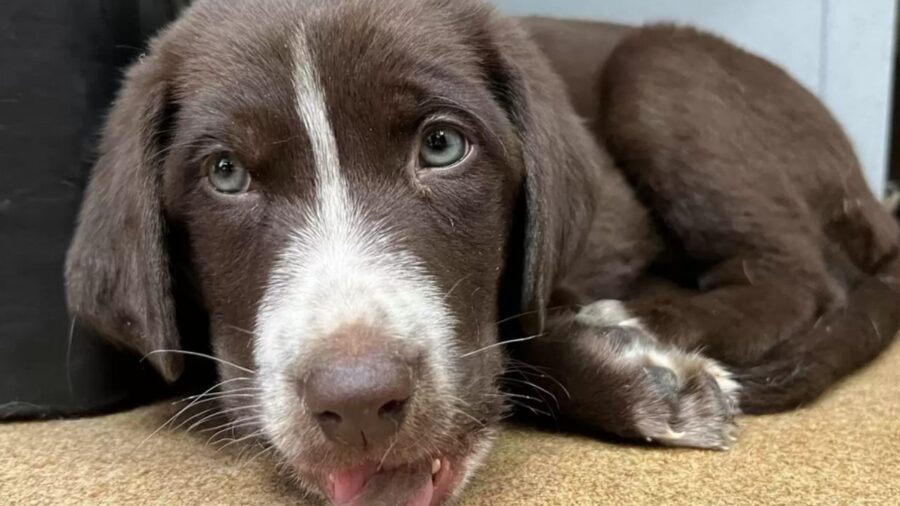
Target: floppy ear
561,164
117,268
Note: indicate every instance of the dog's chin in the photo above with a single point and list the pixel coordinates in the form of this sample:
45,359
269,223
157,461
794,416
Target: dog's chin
424,482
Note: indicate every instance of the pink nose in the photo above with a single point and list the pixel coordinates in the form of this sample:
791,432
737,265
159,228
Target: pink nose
360,392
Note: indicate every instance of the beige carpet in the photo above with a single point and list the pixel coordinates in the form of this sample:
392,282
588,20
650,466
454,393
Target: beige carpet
844,450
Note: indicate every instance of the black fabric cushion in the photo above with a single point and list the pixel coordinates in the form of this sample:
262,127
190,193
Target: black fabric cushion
60,64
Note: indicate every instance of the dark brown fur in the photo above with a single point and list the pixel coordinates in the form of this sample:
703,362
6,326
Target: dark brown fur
769,231
660,166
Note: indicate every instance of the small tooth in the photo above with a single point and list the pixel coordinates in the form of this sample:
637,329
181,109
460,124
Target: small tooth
435,466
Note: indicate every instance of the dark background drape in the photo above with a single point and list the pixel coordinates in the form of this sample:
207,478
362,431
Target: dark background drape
60,64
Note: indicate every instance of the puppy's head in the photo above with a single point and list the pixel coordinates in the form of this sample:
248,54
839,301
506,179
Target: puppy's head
347,176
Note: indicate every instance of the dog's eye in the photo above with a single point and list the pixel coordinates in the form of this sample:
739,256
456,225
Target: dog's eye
443,147
227,175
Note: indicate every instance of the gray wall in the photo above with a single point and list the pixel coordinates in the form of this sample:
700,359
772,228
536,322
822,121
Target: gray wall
840,49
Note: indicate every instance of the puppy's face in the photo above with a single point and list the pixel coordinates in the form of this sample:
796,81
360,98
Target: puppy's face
339,181
344,178
345,174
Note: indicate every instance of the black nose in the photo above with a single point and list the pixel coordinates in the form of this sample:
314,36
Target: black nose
362,402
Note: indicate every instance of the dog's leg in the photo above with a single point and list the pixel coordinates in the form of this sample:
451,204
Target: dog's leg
657,367
745,306
619,379
750,179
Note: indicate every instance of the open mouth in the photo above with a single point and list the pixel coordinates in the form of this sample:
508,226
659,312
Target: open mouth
425,483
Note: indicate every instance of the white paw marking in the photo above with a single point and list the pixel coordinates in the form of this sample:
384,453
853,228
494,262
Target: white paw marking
646,350
612,313
729,386
607,313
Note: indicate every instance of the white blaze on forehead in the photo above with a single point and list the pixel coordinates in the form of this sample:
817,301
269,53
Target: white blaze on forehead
338,268
332,198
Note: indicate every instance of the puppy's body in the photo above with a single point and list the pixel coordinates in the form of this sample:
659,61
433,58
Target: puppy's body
669,230
768,251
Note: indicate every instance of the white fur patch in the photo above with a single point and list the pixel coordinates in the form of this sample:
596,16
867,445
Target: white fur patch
649,351
607,313
338,269
703,418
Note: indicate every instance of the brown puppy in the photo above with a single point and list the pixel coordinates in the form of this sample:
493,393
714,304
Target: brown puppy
668,230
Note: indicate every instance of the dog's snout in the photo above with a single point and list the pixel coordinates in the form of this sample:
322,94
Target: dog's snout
360,400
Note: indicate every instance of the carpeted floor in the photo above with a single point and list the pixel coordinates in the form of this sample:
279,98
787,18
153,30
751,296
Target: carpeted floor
844,450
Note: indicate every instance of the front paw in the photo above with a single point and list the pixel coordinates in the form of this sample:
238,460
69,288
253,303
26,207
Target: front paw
677,398
690,401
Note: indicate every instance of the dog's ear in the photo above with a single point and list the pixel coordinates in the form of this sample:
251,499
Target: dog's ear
117,268
560,163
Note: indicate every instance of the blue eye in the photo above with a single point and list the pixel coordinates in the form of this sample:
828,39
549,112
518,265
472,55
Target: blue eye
443,147
227,175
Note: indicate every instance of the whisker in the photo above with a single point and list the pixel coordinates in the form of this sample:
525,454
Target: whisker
179,413
206,393
237,393
501,343
266,449
244,421
513,317
455,285
531,408
240,439
517,396
219,413
202,355
218,399
69,357
231,422
463,411
469,416
388,451
282,141
243,331
513,400
176,145
238,424
526,313
540,372
536,387
194,416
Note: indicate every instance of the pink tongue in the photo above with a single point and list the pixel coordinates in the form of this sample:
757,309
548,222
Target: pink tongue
407,486
347,485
